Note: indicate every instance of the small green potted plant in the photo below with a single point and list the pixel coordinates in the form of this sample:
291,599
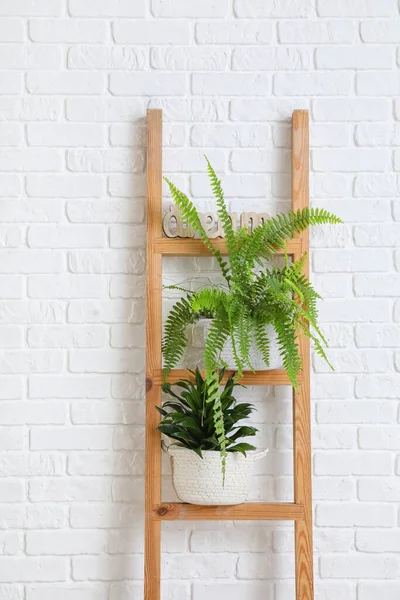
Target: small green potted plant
188,420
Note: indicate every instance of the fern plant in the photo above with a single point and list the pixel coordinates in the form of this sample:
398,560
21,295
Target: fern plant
188,416
255,296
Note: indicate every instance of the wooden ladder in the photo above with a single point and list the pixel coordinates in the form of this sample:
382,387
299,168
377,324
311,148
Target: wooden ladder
156,511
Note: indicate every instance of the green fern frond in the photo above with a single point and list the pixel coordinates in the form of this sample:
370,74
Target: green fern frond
189,213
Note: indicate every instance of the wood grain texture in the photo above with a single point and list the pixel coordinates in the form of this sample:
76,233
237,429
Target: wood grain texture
194,247
301,397
268,377
249,511
152,553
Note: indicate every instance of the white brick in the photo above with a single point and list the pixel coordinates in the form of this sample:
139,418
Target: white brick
355,8
330,236
189,59
106,568
65,82
30,57
30,109
370,186
312,84
106,413
32,465
36,159
231,84
259,161
126,186
385,438
377,285
359,58
69,386
148,84
107,8
65,134
31,361
11,543
380,32
10,82
121,288
269,8
12,490
345,261
21,261
378,386
356,411
259,566
67,591
333,488
151,32
12,30
70,31
66,236
135,135
106,262
204,110
382,489
10,134
352,109
70,489
104,109
387,234
126,236
352,463
349,159
332,386
236,590
231,32
106,361
369,591
127,336
271,59
30,211
105,161
377,541
20,413
107,211
105,463
230,136
377,336
376,134
317,32
10,186
324,437
354,514
11,336
23,311
112,311
11,438
32,569
37,8
181,8
333,286
64,186
101,57
65,542
71,438
66,337
349,211
127,386
355,311
240,539
356,567
382,84
189,567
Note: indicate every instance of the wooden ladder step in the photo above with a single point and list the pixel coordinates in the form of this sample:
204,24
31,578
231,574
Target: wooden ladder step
267,377
249,511
196,247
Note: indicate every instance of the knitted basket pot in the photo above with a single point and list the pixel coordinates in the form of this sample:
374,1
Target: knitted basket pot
199,335
199,480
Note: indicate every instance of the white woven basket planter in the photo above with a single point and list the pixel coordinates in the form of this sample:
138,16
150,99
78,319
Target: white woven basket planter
199,480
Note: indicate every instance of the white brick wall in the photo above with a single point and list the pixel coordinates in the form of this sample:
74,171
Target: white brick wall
76,78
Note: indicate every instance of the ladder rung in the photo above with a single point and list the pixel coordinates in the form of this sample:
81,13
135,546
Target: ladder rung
268,377
196,247
249,511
